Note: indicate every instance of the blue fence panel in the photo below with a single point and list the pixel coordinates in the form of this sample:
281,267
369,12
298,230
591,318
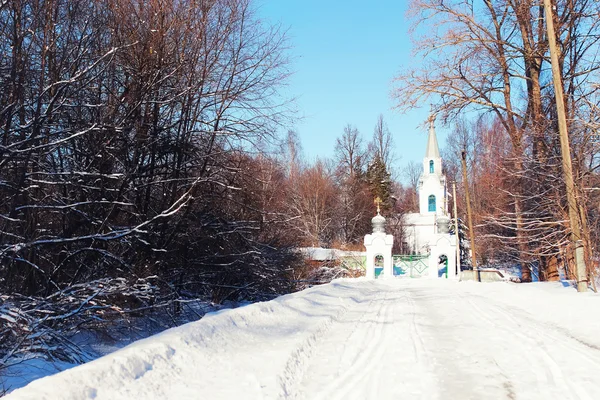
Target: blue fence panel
413,265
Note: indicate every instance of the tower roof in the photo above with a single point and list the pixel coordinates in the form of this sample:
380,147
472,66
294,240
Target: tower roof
433,151
378,223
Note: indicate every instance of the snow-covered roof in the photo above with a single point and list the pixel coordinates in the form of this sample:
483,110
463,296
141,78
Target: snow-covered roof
321,254
318,253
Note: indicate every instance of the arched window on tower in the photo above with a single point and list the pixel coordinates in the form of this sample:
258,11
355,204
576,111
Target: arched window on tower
431,167
432,203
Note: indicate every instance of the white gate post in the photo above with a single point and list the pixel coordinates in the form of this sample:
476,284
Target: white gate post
379,243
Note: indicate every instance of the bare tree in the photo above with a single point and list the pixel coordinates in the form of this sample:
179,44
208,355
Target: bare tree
314,202
412,172
292,154
354,206
350,154
383,144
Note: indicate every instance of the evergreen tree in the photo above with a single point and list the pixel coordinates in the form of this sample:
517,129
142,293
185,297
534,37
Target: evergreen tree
380,183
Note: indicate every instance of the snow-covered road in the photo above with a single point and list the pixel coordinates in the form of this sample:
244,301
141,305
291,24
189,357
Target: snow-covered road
360,339
418,339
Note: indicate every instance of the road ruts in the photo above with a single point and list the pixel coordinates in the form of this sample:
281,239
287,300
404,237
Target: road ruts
420,339
363,355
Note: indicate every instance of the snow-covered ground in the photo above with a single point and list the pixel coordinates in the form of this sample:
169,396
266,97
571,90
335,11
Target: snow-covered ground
360,339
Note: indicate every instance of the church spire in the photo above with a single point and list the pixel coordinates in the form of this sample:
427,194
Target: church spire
433,150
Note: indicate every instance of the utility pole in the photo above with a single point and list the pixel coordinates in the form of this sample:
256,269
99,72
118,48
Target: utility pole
565,150
456,233
469,218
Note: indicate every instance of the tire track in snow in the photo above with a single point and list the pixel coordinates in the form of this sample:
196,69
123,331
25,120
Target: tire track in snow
418,345
350,351
589,351
421,357
375,357
547,371
562,338
438,348
379,366
367,331
392,372
348,356
300,358
368,360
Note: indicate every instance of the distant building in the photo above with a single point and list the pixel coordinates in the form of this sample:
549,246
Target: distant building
426,231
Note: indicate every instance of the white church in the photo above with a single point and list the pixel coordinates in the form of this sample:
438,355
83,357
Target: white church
426,231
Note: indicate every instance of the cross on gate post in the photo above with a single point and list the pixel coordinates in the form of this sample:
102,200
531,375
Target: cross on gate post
377,202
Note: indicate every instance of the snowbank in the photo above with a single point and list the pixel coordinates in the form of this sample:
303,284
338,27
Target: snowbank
248,352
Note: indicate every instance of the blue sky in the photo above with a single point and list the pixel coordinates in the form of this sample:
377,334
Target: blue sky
346,54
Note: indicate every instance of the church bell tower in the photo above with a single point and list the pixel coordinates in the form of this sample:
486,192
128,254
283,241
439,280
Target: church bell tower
432,184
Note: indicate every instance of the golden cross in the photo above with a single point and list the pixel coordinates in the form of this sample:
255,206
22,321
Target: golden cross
377,203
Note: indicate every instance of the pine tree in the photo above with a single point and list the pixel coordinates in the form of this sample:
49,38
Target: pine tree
380,183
